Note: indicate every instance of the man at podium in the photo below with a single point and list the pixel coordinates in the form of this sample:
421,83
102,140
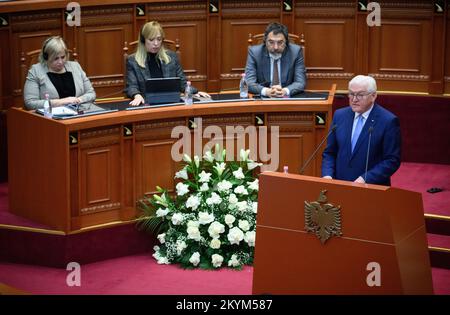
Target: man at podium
364,142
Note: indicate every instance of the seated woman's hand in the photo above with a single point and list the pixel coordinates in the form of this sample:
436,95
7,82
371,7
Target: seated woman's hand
138,100
203,95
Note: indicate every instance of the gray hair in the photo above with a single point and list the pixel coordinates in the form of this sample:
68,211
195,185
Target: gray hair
366,80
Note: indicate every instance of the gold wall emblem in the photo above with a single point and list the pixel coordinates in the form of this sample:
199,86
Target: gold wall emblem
322,218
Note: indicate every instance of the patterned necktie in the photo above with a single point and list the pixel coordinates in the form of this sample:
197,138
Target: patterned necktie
358,128
276,76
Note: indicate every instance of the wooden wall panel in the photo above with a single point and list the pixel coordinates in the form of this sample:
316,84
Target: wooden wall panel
408,52
330,48
239,20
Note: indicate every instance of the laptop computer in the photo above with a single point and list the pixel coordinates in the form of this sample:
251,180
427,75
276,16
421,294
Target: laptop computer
162,91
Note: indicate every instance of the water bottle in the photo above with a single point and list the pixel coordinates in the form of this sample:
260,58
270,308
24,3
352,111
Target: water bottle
188,95
285,169
47,106
243,87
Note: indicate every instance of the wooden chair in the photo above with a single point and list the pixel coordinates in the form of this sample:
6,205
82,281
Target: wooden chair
130,48
27,59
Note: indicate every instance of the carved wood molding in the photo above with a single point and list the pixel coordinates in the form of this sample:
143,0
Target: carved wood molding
238,4
106,83
99,133
230,75
329,75
406,15
400,77
176,6
168,124
305,118
284,129
107,16
231,121
325,4
106,207
36,22
406,4
196,77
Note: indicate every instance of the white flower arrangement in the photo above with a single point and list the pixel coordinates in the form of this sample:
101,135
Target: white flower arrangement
210,221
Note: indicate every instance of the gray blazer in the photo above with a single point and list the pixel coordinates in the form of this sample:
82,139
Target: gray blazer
38,83
136,75
293,73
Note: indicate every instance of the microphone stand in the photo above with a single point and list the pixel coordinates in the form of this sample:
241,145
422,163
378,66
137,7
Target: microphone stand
317,149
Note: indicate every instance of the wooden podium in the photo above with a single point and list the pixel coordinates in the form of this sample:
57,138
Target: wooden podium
381,226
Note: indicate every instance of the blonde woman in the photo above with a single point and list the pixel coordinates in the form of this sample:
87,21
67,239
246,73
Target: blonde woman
64,80
152,60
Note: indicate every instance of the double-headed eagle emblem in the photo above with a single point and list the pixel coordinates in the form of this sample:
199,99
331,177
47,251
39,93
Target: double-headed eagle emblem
323,218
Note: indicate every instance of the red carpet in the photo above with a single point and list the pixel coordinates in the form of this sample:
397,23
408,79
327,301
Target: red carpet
139,274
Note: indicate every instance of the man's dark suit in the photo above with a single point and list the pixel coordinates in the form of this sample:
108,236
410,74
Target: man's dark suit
136,75
384,157
257,70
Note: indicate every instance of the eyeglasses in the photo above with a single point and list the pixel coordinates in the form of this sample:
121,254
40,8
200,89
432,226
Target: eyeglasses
359,96
276,42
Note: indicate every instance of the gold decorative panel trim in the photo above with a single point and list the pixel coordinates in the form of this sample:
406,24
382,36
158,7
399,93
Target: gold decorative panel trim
100,133
250,4
325,4
106,83
36,22
230,75
182,6
107,16
106,207
329,75
400,77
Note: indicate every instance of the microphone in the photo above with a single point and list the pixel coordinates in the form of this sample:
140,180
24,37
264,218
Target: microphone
317,149
368,149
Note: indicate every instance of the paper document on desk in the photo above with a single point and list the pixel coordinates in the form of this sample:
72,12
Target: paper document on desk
59,111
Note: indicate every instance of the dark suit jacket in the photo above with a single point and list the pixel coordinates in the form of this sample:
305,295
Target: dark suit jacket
136,75
257,70
384,156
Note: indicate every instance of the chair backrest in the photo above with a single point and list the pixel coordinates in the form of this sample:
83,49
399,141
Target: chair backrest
27,59
130,48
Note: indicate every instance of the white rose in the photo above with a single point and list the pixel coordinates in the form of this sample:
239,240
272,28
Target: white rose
182,189
235,235
162,212
161,260
214,199
244,225
193,233
215,229
204,177
162,238
250,237
224,186
241,190
195,258
181,245
192,223
205,217
215,243
234,261
216,260
193,202
242,206
239,174
233,199
177,218
229,220
254,185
